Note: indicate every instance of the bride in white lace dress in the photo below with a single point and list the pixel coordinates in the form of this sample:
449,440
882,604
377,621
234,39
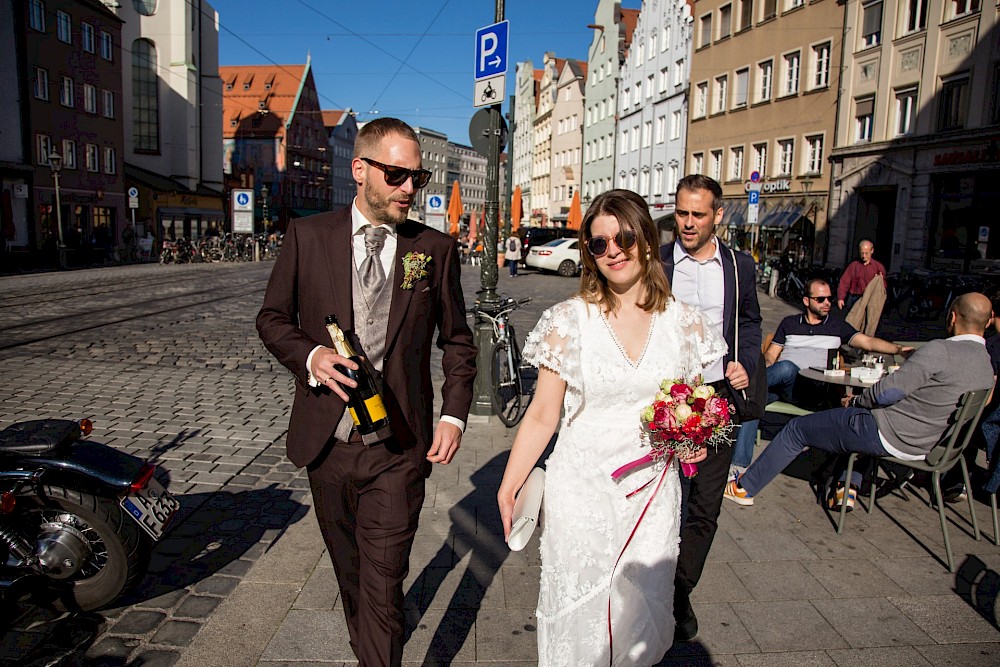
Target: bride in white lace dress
601,356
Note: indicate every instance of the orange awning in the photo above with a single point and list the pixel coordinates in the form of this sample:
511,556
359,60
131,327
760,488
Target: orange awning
454,208
515,210
575,216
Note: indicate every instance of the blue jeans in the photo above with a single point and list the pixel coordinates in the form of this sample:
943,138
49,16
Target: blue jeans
840,431
781,376
990,426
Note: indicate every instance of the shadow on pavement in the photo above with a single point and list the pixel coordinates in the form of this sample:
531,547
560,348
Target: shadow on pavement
979,585
689,654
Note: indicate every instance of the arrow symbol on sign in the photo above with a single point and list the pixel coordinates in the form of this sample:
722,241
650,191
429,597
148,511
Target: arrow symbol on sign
495,62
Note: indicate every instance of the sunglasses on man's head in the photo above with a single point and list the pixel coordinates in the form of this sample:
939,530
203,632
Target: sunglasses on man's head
820,299
599,245
396,176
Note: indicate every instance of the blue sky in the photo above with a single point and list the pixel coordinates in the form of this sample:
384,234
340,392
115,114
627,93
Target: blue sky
412,60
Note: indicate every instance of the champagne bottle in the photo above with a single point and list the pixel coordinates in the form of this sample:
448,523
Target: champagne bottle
366,405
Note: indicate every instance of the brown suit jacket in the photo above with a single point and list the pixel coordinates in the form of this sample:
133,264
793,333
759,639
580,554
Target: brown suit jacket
312,279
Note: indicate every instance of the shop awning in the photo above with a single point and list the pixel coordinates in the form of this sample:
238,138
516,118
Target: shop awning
734,212
781,217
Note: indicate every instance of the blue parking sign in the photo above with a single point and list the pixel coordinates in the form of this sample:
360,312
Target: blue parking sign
491,50
754,197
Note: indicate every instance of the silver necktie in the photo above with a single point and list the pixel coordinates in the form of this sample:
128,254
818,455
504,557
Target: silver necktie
372,274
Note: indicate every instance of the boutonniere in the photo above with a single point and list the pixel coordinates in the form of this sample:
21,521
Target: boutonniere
414,268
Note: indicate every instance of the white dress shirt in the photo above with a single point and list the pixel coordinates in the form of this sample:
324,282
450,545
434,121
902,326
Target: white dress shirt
387,256
701,283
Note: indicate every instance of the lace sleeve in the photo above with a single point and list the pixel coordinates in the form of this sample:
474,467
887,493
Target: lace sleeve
555,344
705,344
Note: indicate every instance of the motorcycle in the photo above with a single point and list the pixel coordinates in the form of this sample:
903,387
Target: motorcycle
78,519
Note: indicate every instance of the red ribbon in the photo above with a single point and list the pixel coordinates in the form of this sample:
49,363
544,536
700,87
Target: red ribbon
615,475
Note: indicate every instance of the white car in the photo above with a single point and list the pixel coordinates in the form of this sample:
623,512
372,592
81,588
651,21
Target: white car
561,255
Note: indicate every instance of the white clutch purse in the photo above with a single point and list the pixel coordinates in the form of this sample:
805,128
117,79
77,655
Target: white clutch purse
526,508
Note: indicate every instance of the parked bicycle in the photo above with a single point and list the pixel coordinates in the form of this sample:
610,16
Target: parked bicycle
512,382
927,295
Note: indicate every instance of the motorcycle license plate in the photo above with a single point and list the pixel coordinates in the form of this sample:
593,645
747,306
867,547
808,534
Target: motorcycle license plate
152,507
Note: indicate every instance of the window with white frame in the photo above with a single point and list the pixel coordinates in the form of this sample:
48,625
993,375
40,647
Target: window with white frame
746,14
672,174
638,52
675,125
586,152
871,24
765,77
786,156
906,111
109,104
821,65
954,103
661,86
697,164
742,83
721,93
36,15
661,129
956,8
41,84
89,98
631,181
652,44
93,158
87,37
623,143
725,21
625,99
649,86
635,138
701,100
791,79
792,4
735,163
647,134
69,154
605,104
110,165
657,181
66,97
665,41
864,119
636,94
760,159
705,38
716,165
107,50
916,15
814,145
43,145
64,27
679,72
644,182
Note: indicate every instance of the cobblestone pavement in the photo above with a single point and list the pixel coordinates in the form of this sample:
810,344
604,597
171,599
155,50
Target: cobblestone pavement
166,362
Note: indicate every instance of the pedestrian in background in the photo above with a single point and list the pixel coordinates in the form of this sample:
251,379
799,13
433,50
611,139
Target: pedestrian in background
390,282
513,254
858,274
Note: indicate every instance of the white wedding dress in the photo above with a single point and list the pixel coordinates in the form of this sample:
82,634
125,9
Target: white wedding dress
586,517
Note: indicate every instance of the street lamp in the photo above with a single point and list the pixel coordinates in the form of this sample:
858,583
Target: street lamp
55,164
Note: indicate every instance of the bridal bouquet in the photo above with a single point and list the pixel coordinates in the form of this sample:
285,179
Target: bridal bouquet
684,417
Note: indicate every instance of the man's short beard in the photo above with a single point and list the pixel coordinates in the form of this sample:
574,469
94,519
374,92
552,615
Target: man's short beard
381,208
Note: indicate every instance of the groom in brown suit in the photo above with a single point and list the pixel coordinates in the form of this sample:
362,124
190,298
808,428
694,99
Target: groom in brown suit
351,264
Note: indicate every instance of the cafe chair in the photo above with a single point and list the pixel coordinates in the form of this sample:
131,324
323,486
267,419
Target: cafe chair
945,454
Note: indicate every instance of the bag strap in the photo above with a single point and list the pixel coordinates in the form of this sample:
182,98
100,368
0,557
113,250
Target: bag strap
736,338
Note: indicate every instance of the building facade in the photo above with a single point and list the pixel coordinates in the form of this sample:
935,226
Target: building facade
541,154
470,172
916,166
567,138
613,29
73,62
16,163
273,136
434,153
764,99
527,80
653,92
172,111
341,129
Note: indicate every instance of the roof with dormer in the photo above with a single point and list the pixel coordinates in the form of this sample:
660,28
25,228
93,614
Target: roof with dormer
255,89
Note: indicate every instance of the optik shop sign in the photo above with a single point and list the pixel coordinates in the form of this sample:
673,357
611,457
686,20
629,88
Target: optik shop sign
768,187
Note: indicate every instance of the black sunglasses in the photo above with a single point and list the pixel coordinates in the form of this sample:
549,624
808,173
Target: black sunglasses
599,245
820,299
396,176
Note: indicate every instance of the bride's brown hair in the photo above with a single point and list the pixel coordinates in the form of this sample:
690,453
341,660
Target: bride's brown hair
632,214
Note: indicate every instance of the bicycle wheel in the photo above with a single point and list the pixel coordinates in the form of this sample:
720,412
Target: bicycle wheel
505,387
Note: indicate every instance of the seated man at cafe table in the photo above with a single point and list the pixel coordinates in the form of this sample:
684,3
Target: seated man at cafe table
804,341
903,415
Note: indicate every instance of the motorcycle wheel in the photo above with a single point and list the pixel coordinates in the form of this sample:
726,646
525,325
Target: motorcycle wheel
120,549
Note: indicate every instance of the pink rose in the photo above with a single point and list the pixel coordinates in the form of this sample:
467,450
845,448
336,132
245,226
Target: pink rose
680,392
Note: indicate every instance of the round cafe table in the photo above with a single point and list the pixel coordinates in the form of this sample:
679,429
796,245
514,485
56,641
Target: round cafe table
844,380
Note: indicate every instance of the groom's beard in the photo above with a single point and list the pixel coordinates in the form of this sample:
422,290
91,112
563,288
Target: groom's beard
383,210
